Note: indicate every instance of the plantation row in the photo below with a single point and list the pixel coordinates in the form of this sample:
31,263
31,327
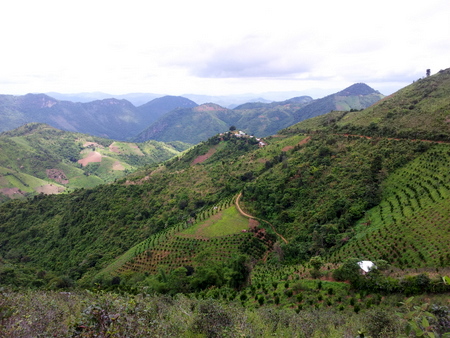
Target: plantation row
414,209
402,248
162,236
173,249
180,251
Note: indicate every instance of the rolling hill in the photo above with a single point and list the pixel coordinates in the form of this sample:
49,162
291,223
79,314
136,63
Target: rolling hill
38,158
189,125
257,118
330,194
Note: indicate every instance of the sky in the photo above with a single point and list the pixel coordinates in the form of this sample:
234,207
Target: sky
219,47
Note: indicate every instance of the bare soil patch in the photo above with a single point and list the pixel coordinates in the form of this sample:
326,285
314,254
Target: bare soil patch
12,192
93,156
253,223
287,148
57,175
203,158
114,148
304,141
49,189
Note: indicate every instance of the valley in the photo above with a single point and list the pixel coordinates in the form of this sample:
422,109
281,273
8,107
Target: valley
237,235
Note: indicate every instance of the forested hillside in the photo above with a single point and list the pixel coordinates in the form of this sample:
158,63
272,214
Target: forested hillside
109,118
192,125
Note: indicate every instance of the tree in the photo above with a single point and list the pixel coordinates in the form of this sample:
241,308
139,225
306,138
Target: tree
232,128
349,271
428,72
316,262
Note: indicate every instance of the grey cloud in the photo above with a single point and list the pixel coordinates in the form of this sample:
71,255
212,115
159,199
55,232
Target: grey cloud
253,57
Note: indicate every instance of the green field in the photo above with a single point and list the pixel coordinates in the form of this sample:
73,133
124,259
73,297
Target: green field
225,223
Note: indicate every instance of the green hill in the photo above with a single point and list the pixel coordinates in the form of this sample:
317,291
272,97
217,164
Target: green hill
108,118
38,158
420,110
260,119
189,125
327,193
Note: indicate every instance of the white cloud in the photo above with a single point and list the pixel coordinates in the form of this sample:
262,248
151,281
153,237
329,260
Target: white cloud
200,46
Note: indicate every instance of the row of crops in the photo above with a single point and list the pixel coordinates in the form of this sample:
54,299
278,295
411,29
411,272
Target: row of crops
180,251
172,249
411,226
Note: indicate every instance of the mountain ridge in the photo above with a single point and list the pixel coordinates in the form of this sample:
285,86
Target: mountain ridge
259,119
112,118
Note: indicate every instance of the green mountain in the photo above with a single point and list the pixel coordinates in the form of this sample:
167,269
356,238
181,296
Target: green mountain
38,158
260,119
356,97
109,118
235,207
189,125
420,110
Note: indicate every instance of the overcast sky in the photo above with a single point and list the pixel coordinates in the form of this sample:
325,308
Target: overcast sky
219,47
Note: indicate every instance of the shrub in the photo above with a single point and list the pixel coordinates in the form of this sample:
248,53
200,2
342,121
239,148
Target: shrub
379,324
211,320
261,300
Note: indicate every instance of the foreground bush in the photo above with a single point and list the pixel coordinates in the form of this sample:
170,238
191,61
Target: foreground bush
87,314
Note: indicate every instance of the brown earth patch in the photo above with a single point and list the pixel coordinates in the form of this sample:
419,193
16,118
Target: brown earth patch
12,192
49,189
253,223
203,158
287,148
304,141
93,156
57,175
114,148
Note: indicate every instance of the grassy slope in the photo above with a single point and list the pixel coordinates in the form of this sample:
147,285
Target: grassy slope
421,109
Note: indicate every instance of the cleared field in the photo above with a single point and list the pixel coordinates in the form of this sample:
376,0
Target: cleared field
224,223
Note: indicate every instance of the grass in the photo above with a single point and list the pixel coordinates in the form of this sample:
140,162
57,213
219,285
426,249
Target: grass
225,223
217,231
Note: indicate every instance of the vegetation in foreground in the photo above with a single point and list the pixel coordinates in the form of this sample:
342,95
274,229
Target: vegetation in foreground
87,314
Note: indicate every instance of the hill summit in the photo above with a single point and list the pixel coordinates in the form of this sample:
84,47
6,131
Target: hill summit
357,89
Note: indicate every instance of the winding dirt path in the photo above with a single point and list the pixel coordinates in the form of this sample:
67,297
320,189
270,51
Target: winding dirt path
258,219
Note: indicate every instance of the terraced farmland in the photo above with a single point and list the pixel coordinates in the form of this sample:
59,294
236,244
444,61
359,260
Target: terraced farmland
411,226
219,232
